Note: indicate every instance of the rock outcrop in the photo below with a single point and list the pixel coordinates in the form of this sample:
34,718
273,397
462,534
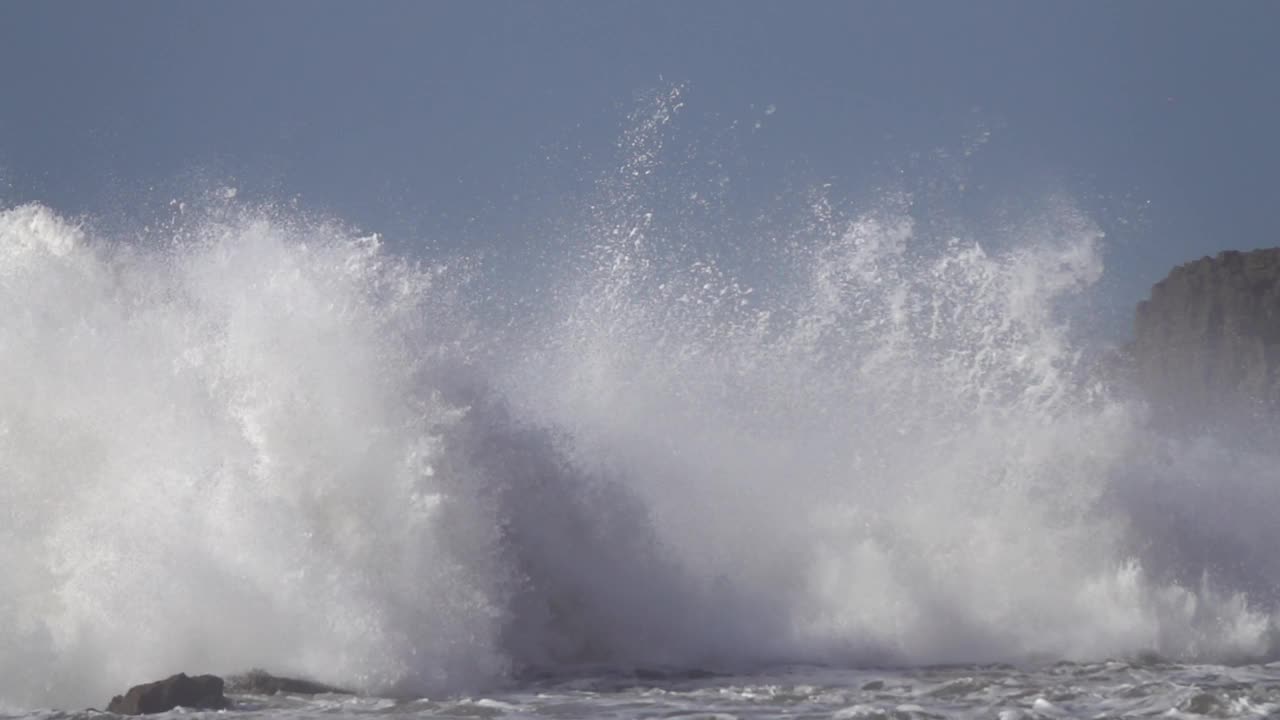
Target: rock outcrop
1207,342
206,692
261,682
202,692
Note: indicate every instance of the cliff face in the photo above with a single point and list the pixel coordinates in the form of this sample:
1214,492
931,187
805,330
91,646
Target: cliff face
1208,339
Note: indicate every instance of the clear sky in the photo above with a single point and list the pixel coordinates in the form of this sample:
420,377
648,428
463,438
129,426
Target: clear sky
465,122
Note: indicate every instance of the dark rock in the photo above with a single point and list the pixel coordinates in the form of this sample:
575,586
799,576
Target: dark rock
202,692
1202,703
261,682
1148,658
1207,341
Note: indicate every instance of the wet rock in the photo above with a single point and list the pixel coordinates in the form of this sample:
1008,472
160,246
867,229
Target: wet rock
1208,338
1148,658
203,692
1202,703
261,682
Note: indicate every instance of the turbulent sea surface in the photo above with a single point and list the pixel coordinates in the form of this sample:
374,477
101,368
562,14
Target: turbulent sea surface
242,436
1061,690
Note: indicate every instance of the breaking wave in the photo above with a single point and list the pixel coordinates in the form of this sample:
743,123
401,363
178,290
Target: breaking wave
249,437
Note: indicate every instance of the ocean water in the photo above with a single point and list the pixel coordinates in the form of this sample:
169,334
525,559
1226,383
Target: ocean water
1109,689
663,484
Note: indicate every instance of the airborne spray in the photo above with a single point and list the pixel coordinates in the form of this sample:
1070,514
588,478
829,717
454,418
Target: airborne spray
254,438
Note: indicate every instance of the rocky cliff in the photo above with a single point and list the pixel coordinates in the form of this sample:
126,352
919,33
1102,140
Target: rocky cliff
1208,339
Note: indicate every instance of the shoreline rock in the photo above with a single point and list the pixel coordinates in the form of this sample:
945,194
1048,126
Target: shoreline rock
202,692
261,682
207,692
1207,341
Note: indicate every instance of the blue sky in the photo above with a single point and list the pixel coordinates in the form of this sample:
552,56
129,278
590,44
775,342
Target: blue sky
458,123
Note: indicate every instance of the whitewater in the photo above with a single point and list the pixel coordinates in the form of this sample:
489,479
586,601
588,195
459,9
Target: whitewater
893,479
